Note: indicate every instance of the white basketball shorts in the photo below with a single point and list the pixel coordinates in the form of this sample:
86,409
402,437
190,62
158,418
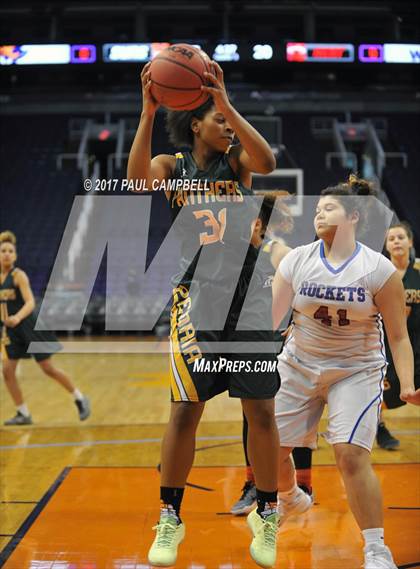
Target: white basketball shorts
353,397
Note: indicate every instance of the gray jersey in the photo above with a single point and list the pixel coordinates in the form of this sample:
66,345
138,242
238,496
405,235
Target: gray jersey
336,324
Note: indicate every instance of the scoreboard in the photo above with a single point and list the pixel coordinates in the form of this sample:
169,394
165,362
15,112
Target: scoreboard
231,52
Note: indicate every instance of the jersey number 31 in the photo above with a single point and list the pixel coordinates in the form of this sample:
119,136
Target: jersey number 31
217,226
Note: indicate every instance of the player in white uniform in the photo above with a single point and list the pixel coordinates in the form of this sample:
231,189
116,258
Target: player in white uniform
340,291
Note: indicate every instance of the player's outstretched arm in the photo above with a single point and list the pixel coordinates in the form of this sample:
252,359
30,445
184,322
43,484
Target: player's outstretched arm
254,153
140,163
390,301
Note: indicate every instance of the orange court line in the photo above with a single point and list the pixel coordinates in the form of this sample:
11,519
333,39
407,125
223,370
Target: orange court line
102,518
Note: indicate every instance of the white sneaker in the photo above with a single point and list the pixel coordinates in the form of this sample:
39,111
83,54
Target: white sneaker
300,505
378,557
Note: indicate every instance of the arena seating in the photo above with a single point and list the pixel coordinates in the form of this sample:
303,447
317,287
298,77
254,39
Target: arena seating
37,209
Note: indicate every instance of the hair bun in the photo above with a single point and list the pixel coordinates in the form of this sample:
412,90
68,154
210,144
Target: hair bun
362,190
359,186
7,237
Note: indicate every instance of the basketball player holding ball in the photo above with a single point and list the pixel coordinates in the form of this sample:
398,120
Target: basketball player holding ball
208,132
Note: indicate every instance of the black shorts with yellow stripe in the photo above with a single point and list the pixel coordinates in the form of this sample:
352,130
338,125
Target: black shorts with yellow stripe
15,343
197,373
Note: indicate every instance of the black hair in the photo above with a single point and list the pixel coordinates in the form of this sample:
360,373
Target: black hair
353,191
276,211
178,124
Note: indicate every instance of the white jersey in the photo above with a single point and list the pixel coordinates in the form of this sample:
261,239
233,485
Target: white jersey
336,324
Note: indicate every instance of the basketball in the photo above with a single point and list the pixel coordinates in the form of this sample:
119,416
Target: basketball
177,74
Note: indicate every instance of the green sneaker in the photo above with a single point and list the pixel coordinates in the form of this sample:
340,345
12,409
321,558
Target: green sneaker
263,546
169,535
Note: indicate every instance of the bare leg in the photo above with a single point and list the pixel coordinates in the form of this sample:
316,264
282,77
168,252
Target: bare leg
178,446
263,442
362,485
57,374
9,373
178,449
286,472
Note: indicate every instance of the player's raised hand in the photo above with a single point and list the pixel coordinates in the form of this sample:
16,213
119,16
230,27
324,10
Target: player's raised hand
150,105
411,396
218,89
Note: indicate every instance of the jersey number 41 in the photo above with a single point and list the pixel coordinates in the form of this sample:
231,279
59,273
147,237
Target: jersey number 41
322,314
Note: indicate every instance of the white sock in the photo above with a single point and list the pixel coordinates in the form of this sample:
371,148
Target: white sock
78,396
168,510
373,536
289,495
23,409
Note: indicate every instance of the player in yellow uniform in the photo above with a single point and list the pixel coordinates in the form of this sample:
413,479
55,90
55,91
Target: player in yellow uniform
277,215
399,242
218,219
18,316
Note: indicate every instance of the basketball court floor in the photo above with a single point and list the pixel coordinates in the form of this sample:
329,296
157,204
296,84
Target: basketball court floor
86,495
